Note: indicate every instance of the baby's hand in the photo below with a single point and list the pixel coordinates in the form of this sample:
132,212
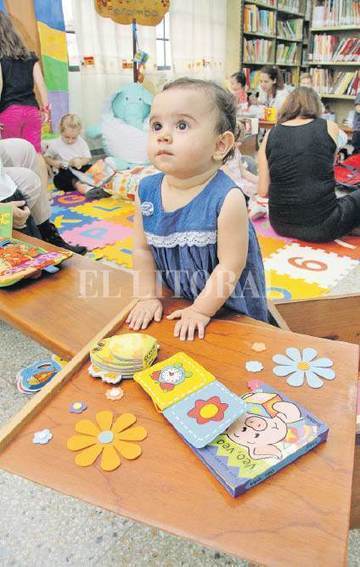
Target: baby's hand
76,162
143,313
190,320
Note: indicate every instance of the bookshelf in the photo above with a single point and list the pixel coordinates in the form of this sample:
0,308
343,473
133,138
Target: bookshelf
334,53
273,34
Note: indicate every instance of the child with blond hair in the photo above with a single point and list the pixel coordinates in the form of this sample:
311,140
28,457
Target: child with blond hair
69,151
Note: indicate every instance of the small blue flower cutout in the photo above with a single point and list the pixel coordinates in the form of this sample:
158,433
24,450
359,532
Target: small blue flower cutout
147,208
300,366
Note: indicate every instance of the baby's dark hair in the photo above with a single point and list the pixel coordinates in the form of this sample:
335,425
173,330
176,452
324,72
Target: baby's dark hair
223,100
240,78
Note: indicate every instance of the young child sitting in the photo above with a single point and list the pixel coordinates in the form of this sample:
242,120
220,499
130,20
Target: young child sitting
191,223
70,150
238,89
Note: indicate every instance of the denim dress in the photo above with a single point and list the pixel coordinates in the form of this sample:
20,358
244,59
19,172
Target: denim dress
184,244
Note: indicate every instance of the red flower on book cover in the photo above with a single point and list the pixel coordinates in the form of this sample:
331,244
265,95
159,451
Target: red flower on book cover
208,410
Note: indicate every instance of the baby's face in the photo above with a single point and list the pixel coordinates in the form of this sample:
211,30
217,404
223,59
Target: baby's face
182,139
70,135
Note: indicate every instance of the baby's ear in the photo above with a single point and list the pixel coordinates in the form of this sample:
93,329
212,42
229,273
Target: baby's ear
225,142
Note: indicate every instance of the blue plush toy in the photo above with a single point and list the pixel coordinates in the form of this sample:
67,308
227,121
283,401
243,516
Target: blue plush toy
123,126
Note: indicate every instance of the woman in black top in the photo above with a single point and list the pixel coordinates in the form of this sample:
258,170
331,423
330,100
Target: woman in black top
20,72
296,171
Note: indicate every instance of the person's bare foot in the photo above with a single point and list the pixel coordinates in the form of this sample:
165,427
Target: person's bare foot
81,187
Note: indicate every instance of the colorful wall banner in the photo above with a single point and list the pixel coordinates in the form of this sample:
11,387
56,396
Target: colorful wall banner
51,27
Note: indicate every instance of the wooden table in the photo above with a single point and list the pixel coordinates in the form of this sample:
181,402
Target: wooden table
298,517
63,311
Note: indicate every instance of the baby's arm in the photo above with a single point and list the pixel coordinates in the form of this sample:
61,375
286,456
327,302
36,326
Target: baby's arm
149,306
79,162
232,254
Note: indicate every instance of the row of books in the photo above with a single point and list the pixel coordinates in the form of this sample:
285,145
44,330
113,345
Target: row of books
290,29
256,20
326,81
336,13
289,5
331,48
271,3
258,50
286,53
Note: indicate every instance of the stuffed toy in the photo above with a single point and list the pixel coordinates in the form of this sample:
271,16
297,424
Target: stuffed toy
124,125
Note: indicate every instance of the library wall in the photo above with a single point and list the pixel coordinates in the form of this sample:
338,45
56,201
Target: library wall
233,36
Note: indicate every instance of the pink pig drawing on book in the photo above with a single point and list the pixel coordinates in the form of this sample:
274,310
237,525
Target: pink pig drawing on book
259,434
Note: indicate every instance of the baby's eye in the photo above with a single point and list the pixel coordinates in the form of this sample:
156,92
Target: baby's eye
156,126
182,125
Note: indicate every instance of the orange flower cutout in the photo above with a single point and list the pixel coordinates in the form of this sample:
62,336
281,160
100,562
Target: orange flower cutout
106,438
208,410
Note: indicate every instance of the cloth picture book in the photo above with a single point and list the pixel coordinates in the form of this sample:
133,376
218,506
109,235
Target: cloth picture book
20,260
197,405
98,175
272,433
119,356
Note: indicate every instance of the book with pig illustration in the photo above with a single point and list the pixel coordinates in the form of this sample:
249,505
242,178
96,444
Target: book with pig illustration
272,433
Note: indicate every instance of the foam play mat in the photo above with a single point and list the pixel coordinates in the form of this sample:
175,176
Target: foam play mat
294,269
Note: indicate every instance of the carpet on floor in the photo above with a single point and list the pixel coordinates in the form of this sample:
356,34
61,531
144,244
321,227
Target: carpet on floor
294,269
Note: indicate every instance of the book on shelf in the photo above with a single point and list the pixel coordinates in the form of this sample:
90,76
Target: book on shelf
336,13
257,50
308,10
289,5
270,3
305,56
326,81
290,29
272,433
286,54
330,48
257,20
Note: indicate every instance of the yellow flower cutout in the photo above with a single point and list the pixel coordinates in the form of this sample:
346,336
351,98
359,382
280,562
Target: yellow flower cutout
107,438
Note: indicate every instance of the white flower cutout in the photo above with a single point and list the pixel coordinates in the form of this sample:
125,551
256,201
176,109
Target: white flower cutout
299,366
42,437
254,366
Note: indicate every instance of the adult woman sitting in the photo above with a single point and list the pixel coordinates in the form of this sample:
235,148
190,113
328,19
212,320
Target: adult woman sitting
272,91
296,171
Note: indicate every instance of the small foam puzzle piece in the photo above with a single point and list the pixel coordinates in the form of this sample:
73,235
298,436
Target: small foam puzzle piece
206,413
269,245
42,437
279,286
310,264
68,200
96,234
254,366
120,252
